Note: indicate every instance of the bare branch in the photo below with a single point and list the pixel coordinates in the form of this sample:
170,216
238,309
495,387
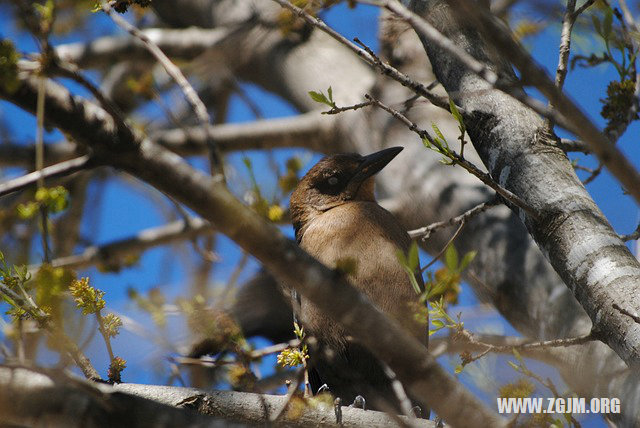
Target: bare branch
23,155
565,42
444,248
568,145
57,170
111,254
310,130
426,231
458,160
374,61
210,198
29,396
186,44
190,94
534,74
250,407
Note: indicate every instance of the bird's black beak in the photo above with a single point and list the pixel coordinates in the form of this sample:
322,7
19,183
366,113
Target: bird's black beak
370,165
373,163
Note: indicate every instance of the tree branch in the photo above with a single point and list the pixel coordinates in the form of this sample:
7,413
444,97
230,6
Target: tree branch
372,60
112,253
30,397
310,130
535,75
174,72
209,197
186,44
425,232
510,139
58,170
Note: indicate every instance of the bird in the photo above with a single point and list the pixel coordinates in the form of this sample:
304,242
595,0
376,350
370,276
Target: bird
337,220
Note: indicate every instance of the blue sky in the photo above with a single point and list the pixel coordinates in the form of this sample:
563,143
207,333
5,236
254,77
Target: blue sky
125,210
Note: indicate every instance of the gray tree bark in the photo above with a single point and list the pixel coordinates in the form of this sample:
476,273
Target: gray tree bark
510,271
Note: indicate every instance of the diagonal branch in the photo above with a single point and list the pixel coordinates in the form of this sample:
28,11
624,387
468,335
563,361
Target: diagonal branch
568,113
311,131
58,170
111,253
372,60
210,198
186,44
535,75
189,93
511,140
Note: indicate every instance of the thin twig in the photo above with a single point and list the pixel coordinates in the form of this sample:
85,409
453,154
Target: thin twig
336,110
565,43
635,235
26,302
444,248
568,145
425,232
575,119
190,94
249,356
105,336
457,159
564,51
57,170
44,218
548,383
623,311
584,168
553,343
582,8
293,388
383,67
398,390
593,175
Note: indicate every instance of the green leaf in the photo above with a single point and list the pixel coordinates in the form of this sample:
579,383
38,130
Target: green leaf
451,258
517,354
402,259
596,24
437,289
437,323
414,282
468,258
438,133
607,24
413,259
514,366
458,369
455,112
330,92
319,97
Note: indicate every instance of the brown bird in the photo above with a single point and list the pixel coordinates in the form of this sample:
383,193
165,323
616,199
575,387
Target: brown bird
337,220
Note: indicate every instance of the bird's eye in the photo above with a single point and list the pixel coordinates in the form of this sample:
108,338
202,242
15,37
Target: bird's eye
333,181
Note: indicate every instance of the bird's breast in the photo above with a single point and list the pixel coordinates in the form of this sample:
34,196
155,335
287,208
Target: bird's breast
365,237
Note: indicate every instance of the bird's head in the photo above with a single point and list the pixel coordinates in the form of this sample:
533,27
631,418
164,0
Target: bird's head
336,180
